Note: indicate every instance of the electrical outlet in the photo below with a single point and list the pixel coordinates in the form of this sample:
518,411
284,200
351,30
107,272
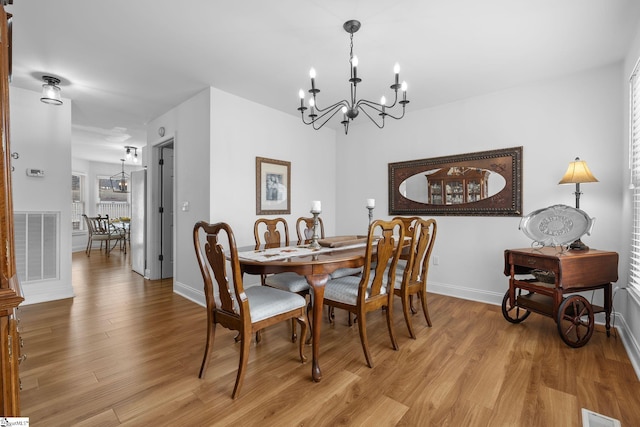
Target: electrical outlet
436,260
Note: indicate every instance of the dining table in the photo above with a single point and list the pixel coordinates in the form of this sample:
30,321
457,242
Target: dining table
315,264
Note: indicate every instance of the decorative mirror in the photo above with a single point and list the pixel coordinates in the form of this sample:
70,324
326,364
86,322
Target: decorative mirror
485,183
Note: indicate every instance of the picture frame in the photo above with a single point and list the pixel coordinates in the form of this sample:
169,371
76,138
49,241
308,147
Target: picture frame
484,183
273,186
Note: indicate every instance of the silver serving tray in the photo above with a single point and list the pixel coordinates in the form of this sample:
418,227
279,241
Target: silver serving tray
556,225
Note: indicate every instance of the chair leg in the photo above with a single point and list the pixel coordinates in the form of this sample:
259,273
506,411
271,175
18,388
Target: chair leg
425,310
303,333
413,309
407,310
362,329
245,343
392,334
88,250
211,334
331,314
294,337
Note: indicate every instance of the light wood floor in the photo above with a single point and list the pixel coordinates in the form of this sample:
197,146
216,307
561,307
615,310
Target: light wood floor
126,351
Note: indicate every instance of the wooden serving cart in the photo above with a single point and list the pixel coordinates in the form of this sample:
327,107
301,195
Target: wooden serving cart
558,276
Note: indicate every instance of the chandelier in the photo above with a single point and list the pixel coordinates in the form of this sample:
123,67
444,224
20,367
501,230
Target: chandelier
350,109
120,181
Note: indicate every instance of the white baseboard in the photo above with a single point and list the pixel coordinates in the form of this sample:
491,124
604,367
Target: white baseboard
629,342
189,293
35,293
471,294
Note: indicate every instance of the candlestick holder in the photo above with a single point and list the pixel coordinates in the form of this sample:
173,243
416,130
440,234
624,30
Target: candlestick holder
370,214
314,239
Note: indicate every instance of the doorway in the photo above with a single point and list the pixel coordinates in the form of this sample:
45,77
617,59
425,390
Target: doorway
165,209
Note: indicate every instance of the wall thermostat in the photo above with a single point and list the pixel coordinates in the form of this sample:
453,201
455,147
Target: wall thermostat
35,172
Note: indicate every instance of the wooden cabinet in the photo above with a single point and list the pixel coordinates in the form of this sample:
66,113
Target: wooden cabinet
10,295
457,185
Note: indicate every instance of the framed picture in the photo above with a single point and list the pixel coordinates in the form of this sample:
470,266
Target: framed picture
487,183
273,187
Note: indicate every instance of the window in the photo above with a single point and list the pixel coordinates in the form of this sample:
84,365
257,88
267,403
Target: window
634,163
106,193
112,203
77,202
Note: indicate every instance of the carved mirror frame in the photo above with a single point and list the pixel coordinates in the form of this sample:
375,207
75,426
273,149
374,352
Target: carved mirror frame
506,162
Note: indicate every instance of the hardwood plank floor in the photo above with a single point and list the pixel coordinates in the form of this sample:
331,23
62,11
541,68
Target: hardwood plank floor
126,351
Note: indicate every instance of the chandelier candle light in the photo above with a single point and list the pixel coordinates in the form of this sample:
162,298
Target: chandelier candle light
317,116
316,208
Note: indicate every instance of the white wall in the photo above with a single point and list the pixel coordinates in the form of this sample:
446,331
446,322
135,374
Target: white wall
41,134
189,126
554,121
241,131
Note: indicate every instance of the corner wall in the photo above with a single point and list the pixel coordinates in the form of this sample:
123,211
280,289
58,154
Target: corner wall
217,139
41,134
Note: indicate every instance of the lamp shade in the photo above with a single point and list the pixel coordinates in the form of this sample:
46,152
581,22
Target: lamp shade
577,173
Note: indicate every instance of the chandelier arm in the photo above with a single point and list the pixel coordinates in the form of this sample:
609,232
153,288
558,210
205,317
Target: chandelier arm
361,108
395,117
329,108
333,113
375,105
395,100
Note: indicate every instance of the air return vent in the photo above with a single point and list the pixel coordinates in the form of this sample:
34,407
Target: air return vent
37,245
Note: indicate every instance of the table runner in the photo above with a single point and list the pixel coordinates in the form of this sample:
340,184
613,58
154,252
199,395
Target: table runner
276,254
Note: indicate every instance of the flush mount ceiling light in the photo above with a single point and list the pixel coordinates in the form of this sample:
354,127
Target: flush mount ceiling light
130,156
351,108
51,91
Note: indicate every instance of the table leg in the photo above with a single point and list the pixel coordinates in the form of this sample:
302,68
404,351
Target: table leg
607,307
317,283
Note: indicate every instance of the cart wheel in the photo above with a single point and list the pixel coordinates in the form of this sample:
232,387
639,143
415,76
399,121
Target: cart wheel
513,314
575,321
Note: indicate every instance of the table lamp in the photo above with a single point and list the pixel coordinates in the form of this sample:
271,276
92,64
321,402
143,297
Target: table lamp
577,173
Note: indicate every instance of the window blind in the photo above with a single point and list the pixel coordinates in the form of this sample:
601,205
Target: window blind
634,164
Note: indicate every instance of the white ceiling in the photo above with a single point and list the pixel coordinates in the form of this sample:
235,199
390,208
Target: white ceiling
125,62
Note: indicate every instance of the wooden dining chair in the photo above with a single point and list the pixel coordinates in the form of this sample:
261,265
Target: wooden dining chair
408,223
269,232
369,291
246,310
100,229
412,279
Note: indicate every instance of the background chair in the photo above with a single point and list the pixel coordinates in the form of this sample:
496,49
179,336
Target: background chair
413,280
272,231
408,223
101,230
304,229
369,291
230,304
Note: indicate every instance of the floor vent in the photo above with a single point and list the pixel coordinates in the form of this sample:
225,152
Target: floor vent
593,419
37,245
